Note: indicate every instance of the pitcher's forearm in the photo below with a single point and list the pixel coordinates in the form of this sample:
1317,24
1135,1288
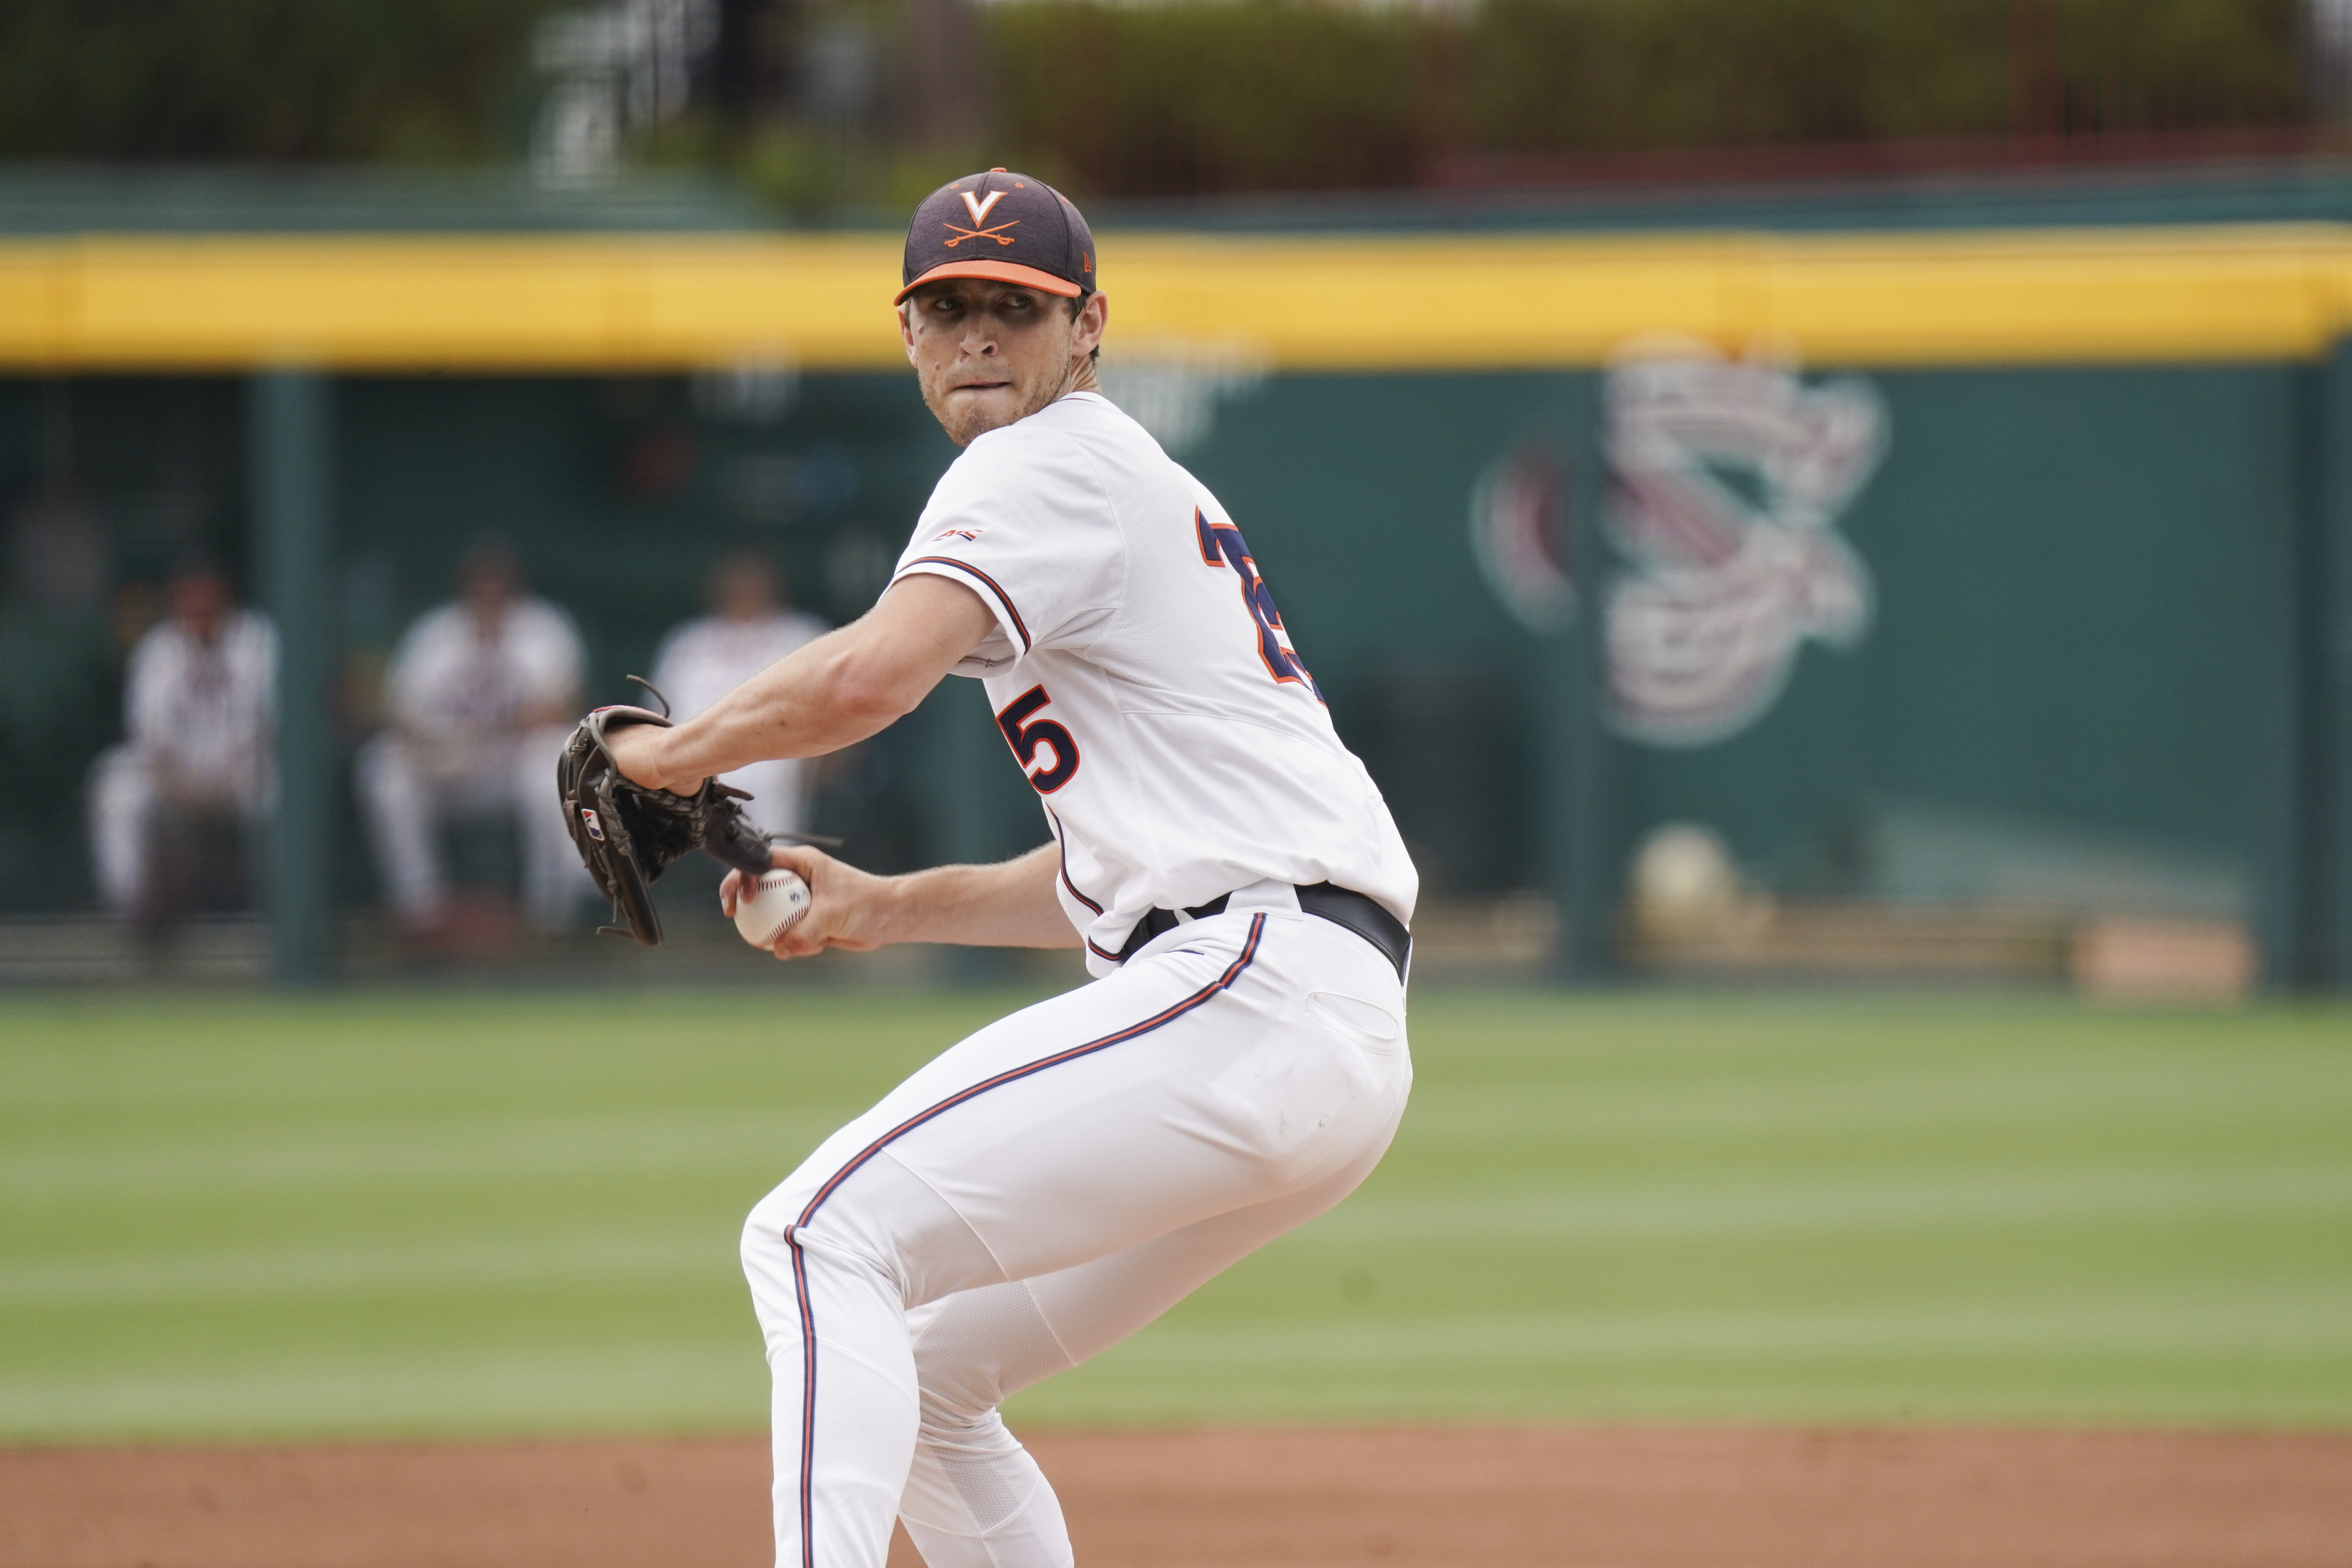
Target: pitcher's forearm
837,692
804,705
1010,904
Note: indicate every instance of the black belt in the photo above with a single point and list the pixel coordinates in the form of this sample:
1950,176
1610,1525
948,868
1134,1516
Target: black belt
1341,908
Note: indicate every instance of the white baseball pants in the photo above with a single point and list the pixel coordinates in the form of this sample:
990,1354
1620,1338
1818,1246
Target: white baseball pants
403,802
1037,1194
128,811
121,797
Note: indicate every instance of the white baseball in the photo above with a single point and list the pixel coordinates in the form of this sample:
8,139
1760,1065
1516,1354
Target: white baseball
768,911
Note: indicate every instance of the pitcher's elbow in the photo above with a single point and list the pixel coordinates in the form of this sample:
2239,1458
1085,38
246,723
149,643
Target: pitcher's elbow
870,695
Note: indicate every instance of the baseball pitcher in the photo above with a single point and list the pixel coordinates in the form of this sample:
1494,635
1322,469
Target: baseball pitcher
1238,1063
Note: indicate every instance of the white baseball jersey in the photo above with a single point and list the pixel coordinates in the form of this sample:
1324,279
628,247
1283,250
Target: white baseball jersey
471,697
198,720
1143,677
198,714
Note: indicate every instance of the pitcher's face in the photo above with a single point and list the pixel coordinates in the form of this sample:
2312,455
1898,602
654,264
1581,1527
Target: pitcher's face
988,354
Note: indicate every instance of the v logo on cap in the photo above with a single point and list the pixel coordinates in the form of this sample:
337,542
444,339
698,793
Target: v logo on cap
1019,230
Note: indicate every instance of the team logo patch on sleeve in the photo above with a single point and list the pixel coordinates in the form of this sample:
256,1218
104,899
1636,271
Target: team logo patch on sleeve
966,534
595,828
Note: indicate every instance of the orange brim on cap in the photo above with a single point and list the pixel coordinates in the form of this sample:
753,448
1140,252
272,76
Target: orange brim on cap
996,272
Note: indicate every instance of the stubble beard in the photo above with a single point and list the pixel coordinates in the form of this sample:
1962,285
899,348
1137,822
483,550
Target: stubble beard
968,421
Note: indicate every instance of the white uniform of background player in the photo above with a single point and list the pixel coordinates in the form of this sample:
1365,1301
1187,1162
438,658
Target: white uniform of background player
197,700
1049,1186
703,660
475,692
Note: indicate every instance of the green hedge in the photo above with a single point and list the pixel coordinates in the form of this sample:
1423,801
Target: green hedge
261,80
1194,96
1275,95
1210,97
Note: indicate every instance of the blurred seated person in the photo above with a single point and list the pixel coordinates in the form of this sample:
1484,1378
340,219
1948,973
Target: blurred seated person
751,625
481,694
175,810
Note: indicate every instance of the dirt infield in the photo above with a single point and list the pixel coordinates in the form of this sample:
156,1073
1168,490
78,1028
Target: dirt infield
1610,1499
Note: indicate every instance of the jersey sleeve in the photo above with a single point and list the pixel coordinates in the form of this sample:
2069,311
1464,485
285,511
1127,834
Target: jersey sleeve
146,695
412,678
551,664
671,664
1028,525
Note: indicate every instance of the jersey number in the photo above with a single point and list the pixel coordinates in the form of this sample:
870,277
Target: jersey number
1026,736
1222,544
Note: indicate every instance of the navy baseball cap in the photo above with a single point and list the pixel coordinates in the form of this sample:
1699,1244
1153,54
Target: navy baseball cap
1001,225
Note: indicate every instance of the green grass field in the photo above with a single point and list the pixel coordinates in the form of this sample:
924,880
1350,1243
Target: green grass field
467,1212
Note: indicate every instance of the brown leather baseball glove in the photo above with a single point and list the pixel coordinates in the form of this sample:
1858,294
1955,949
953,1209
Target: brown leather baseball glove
628,835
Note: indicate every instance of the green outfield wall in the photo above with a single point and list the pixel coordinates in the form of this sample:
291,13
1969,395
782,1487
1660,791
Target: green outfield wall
2100,602
2093,592
1813,602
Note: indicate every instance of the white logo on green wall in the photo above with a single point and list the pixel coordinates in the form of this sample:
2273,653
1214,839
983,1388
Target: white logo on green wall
1729,477
1519,524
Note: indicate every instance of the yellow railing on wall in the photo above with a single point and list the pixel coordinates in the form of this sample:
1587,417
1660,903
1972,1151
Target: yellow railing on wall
1320,302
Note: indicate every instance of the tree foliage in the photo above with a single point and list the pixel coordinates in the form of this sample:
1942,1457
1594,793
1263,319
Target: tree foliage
1280,95
404,81
1188,96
